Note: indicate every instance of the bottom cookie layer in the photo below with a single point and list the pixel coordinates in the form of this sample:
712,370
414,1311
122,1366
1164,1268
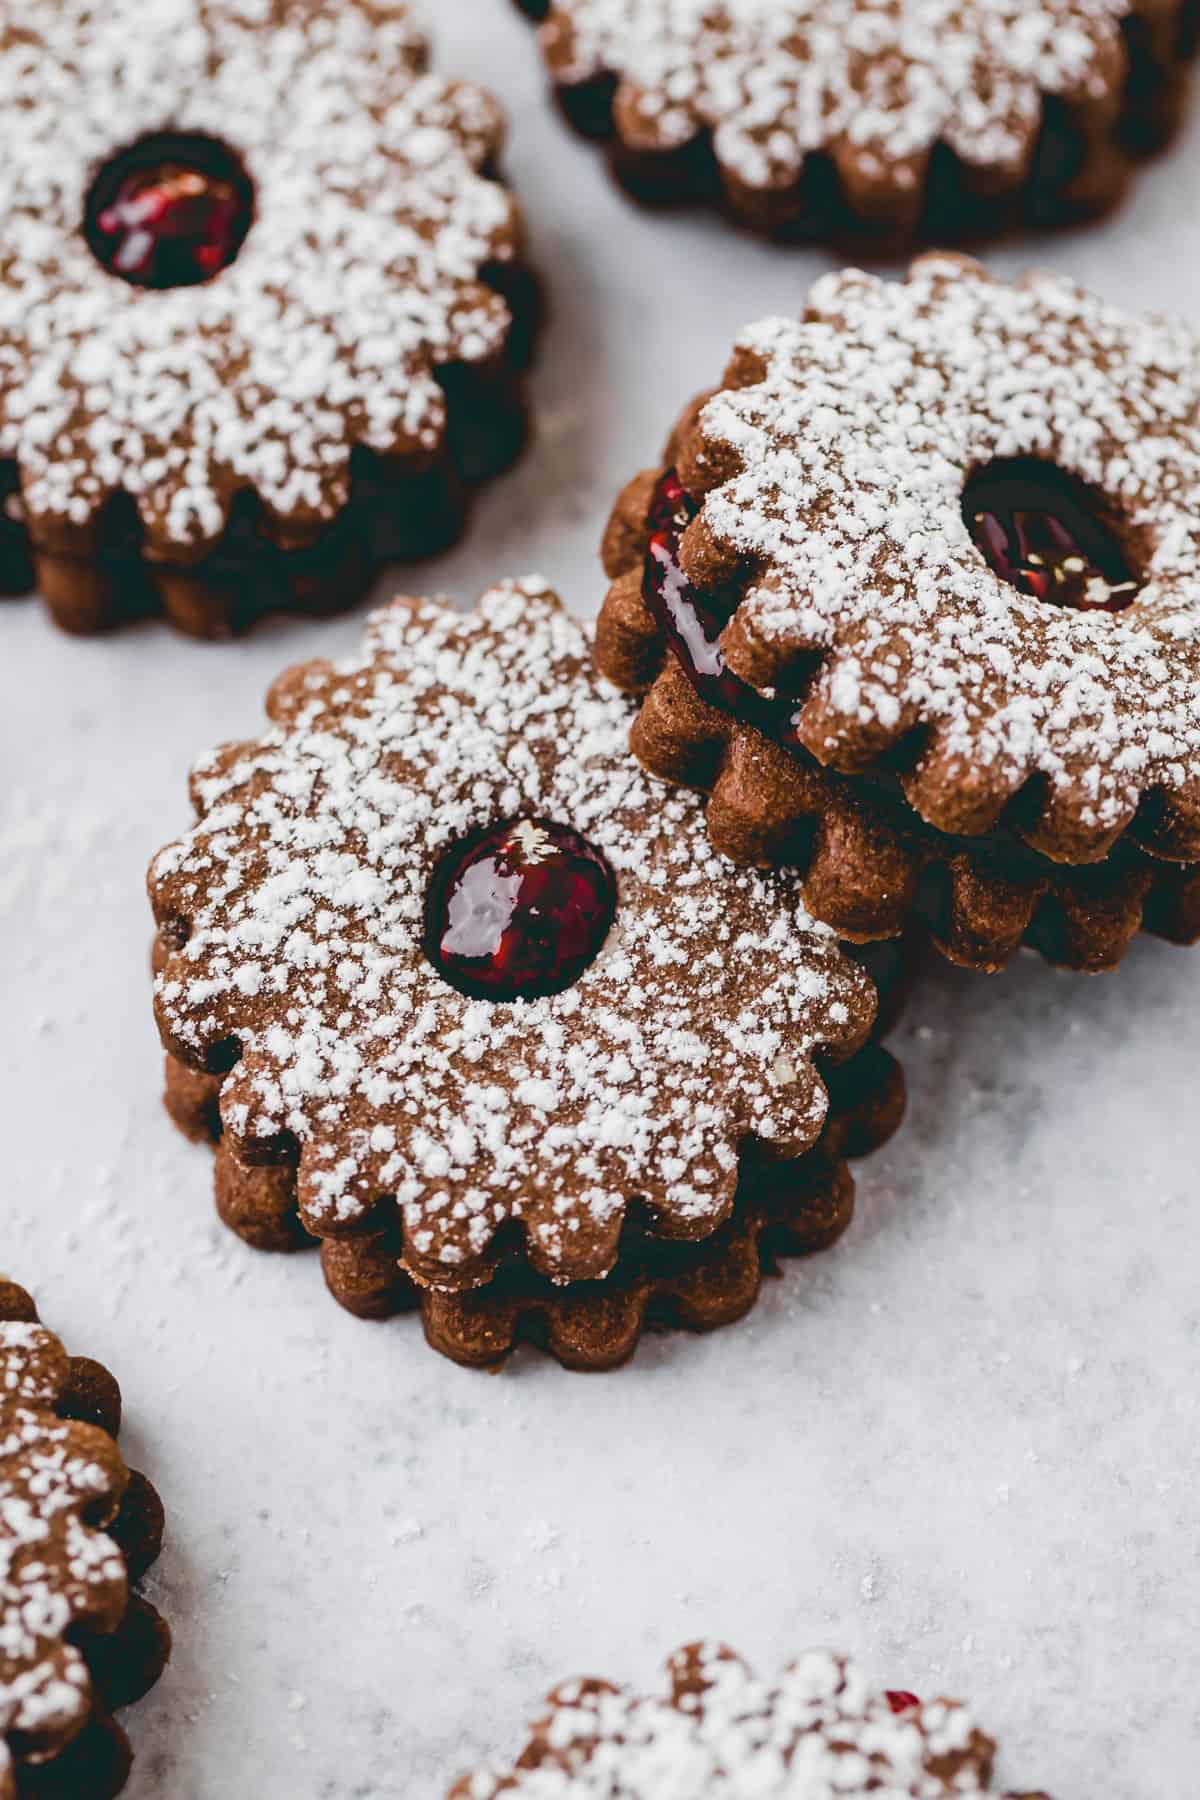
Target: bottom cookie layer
125,1664
782,1209
872,871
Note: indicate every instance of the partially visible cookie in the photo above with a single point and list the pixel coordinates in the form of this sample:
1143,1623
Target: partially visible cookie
77,1532
720,1733
263,315
917,598
878,121
473,1006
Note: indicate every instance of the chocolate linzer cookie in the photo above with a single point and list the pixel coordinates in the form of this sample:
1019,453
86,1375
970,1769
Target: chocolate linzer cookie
77,1532
262,308
917,599
877,121
720,1733
466,1001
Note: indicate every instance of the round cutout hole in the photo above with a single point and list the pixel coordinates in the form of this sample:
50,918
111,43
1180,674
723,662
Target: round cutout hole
1050,537
171,211
518,911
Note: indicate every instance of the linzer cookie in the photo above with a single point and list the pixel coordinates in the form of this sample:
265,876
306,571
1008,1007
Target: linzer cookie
468,1001
875,120
917,598
721,1733
76,1530
262,307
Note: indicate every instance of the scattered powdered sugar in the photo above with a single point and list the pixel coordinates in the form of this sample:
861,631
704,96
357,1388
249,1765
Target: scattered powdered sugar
55,1570
878,81
819,1733
359,276
854,451
301,893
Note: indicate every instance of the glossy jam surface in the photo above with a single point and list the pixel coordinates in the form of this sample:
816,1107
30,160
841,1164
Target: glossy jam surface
519,911
171,212
900,1701
1040,532
692,627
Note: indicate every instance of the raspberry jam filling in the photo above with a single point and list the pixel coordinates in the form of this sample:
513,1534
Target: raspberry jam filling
692,629
518,911
1041,532
171,212
900,1701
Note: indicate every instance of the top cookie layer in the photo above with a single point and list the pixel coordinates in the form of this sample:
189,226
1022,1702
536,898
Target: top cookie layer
817,1734
299,902
58,1480
834,472
878,82
360,275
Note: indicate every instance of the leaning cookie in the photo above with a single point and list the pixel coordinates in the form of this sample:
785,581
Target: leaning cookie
77,1532
468,1003
917,598
720,1733
876,122
262,309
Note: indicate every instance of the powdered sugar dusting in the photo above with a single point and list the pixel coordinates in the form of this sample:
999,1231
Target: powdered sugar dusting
819,1733
878,81
360,275
301,893
855,449
55,1570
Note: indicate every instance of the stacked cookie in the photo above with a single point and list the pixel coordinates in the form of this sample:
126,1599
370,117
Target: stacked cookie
912,596
469,999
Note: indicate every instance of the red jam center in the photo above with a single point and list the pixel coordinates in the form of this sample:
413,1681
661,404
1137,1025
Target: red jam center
900,1701
171,212
519,911
1040,531
691,625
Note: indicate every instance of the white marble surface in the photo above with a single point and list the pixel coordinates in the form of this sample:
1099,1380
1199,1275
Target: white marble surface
963,1445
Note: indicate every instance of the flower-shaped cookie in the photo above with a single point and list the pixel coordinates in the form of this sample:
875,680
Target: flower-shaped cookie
239,249
940,537
890,114
720,1733
71,1640
458,957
